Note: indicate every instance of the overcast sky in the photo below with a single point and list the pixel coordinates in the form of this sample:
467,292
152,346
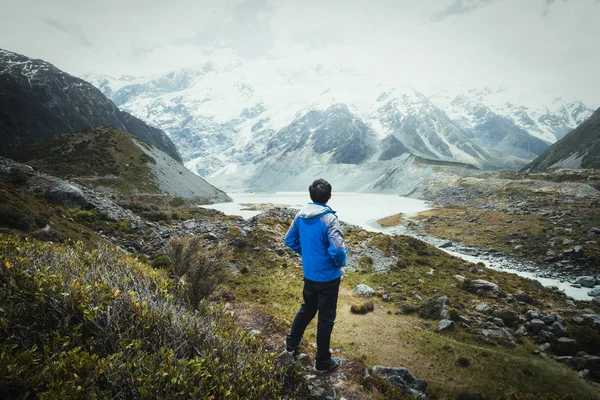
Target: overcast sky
554,44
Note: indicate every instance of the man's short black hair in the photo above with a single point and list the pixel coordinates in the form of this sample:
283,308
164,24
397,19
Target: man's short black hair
320,191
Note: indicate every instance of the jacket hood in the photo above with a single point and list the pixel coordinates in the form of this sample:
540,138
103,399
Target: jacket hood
312,210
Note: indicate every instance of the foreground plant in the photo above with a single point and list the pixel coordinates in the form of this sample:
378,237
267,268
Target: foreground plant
101,324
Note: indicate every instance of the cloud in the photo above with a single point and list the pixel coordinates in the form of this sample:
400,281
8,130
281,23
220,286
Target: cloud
462,7
70,31
545,43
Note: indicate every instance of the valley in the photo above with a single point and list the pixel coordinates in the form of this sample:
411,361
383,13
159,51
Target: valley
142,261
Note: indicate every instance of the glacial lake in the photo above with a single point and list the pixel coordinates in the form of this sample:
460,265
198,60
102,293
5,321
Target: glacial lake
363,209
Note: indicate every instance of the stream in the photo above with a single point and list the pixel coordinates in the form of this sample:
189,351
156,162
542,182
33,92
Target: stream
363,210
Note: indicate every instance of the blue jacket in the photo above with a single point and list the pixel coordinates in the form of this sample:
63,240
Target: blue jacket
316,235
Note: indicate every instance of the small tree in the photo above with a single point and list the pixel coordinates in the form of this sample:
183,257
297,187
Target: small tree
198,270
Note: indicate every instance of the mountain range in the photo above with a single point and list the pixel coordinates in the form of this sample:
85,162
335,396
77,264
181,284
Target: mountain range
39,101
232,124
579,149
66,127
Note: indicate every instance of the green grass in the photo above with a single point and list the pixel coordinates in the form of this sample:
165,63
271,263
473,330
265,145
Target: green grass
102,156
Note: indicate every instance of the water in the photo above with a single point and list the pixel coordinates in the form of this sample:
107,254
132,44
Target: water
361,209
364,210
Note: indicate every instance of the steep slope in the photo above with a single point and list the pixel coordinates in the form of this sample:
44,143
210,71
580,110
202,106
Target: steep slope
579,149
108,157
37,101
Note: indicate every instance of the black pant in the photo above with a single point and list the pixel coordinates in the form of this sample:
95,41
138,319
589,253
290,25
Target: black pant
322,297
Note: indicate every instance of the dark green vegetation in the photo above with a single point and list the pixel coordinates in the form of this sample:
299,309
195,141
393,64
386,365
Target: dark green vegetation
583,141
95,157
34,107
100,324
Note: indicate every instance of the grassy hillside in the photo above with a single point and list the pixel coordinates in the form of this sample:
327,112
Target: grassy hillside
102,156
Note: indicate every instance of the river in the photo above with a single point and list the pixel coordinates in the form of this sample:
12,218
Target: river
363,209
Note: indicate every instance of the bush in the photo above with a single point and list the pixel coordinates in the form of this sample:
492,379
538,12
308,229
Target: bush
80,215
430,309
177,202
587,337
99,324
156,216
362,308
12,217
198,269
161,261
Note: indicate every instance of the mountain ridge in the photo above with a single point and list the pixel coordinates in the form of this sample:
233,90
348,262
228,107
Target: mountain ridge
39,101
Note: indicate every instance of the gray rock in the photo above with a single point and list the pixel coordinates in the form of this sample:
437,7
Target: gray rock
497,336
594,292
522,330
255,332
586,281
459,278
484,309
445,312
498,322
558,329
535,326
284,359
364,290
445,325
402,378
387,298
65,194
532,314
565,345
443,300
485,285
544,346
546,336
522,296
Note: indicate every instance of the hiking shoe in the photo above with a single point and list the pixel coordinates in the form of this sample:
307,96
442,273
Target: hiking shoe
291,349
334,363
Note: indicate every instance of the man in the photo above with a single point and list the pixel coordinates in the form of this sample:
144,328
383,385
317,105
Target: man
316,235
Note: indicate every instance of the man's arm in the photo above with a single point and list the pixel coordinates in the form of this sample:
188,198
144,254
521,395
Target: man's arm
292,238
337,248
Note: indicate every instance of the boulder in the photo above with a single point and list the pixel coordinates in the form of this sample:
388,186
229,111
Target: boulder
566,346
402,378
364,290
586,281
509,317
445,325
520,295
65,194
595,292
498,336
596,301
484,309
535,326
532,314
480,284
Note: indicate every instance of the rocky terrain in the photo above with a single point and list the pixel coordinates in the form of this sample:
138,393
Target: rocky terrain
550,222
412,320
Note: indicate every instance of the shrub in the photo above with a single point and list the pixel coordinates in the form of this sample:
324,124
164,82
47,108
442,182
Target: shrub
80,215
365,262
99,324
587,337
362,308
454,314
15,218
161,261
177,202
430,309
199,269
408,308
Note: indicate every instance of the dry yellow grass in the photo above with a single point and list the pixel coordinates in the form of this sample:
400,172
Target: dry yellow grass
392,220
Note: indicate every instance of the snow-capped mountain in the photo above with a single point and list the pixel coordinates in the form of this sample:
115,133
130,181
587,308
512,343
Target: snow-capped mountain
237,124
39,101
